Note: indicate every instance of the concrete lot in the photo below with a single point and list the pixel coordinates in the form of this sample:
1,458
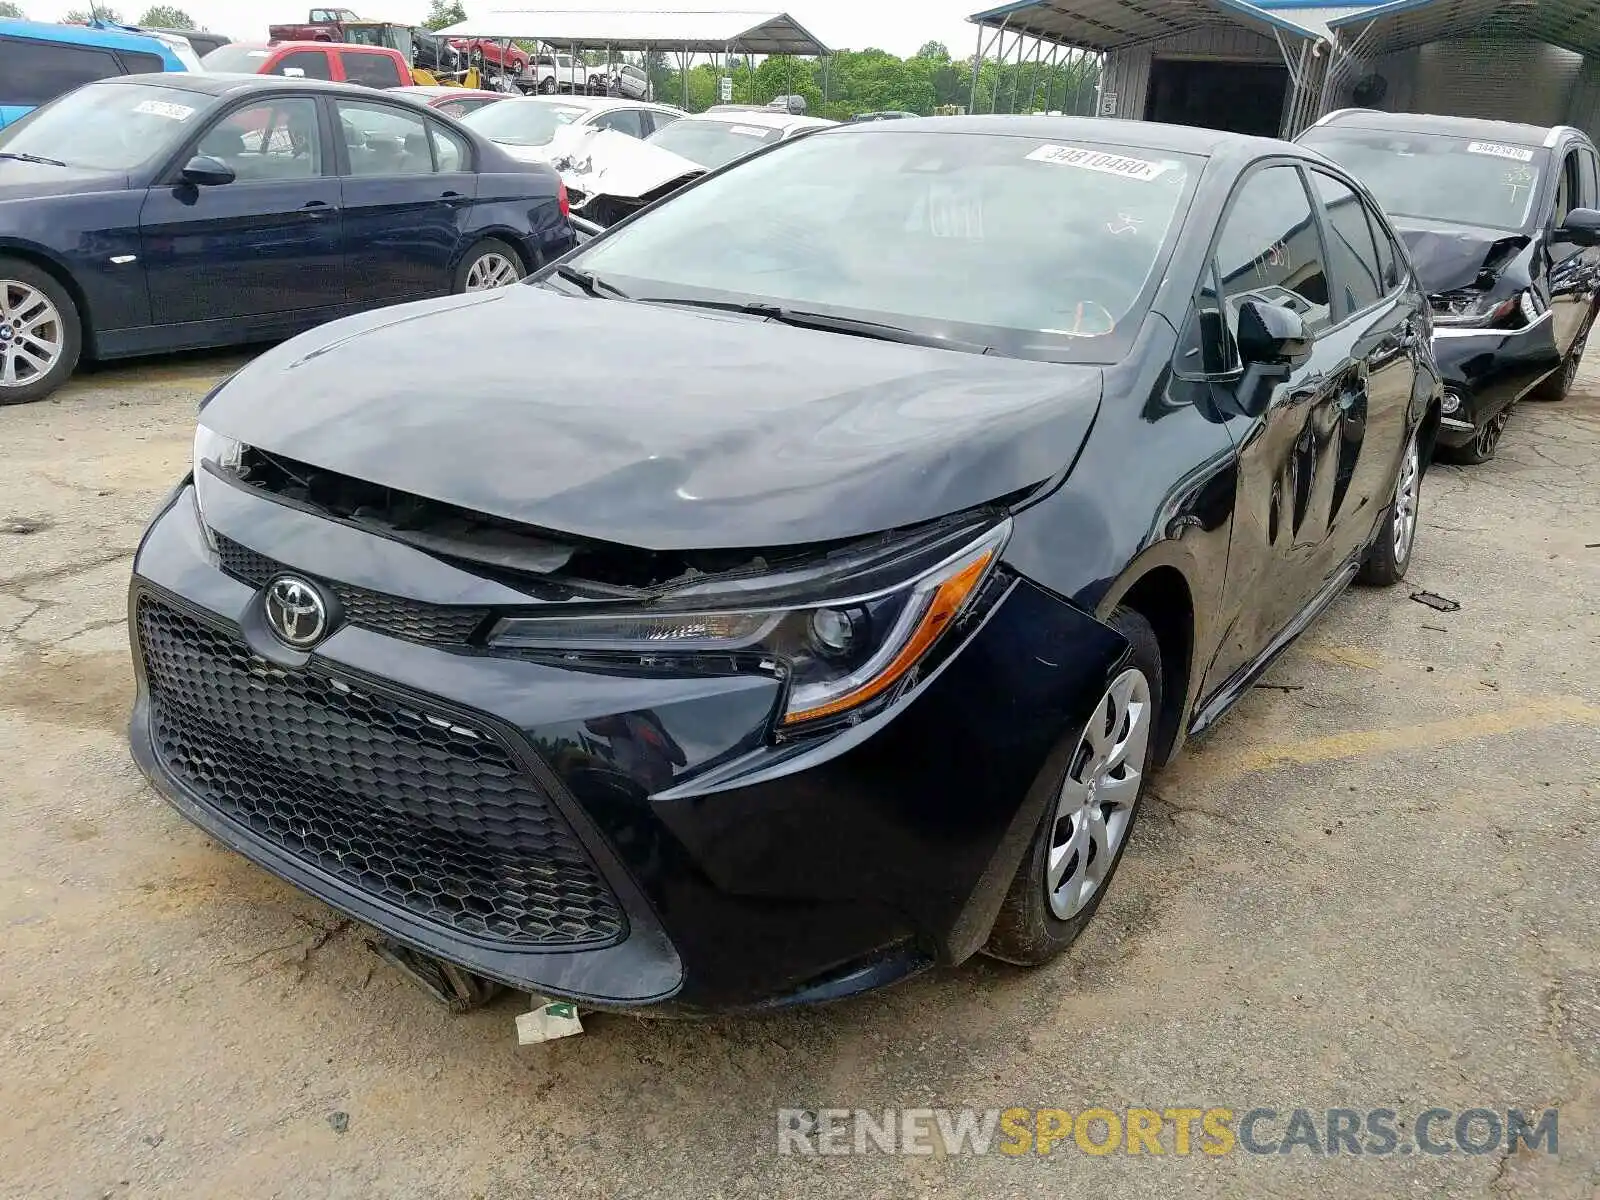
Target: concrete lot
1373,885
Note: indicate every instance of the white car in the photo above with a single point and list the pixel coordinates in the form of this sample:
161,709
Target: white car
609,178
534,128
621,78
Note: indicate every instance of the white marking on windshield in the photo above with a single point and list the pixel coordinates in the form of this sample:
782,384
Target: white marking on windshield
1496,150
1098,160
164,108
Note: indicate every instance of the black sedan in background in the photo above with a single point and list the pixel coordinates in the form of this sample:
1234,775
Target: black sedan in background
168,212
803,619
1502,224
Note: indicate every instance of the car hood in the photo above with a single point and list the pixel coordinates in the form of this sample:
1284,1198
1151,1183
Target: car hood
657,427
1448,256
605,163
33,181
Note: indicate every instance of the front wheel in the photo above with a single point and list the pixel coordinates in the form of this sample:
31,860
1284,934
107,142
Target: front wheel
41,334
1389,556
1482,447
488,265
547,87
1557,385
1093,784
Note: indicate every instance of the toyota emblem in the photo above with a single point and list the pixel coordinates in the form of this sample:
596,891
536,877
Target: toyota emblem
296,612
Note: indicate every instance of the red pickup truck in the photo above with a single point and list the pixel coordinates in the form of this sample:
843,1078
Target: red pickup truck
374,66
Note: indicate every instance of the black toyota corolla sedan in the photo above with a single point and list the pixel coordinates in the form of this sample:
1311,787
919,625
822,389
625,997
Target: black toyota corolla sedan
882,511
1502,224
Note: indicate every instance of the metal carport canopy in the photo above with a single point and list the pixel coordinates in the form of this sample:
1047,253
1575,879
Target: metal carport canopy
1571,24
696,32
1104,25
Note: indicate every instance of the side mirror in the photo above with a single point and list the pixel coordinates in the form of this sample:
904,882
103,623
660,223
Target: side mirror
1272,336
1582,227
205,171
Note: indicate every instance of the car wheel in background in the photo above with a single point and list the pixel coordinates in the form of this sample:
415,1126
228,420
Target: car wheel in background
1559,383
40,333
1390,555
488,265
1482,447
547,87
1093,782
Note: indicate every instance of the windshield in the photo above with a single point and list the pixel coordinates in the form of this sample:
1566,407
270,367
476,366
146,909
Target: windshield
1436,178
108,126
523,122
1032,248
713,143
234,58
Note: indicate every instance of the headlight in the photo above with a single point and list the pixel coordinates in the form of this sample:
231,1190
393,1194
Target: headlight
1473,307
212,447
842,656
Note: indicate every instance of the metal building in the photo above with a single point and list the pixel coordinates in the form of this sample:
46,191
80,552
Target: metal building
1275,66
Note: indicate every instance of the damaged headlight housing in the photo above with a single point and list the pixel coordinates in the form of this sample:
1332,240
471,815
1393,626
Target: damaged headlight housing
1477,308
219,450
842,656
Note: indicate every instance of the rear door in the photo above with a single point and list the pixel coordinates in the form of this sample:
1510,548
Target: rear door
266,244
1380,328
1269,249
408,185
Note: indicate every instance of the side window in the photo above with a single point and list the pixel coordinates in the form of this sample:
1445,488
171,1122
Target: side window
1389,269
660,119
1588,185
1567,186
304,64
373,70
1268,249
37,72
137,62
273,140
381,140
450,150
1352,253
623,120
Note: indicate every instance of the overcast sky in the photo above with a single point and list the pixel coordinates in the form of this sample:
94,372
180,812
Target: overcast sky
897,25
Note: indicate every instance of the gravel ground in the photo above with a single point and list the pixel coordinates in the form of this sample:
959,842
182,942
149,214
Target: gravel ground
1371,886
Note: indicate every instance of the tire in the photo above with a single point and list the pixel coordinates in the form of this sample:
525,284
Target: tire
488,265
1036,923
1389,556
41,333
547,87
1481,448
1558,384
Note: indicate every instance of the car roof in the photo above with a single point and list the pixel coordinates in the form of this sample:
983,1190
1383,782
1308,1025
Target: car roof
1514,132
439,89
79,35
226,83
762,117
1134,135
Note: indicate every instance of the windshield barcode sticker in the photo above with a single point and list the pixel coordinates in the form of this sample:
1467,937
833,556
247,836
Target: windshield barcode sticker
163,108
1099,160
1496,150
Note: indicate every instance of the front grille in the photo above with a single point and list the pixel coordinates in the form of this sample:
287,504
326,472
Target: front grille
434,624
411,805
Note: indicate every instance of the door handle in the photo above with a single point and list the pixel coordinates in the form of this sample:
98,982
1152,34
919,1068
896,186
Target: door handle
317,208
456,198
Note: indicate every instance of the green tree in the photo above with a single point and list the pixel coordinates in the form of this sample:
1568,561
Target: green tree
937,51
444,12
167,16
8,9
82,16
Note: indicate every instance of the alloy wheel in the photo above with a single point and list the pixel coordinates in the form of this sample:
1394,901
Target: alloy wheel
1406,489
32,334
1096,803
1489,436
492,271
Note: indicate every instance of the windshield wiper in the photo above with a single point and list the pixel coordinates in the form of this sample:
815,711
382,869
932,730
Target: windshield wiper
592,284
802,319
33,158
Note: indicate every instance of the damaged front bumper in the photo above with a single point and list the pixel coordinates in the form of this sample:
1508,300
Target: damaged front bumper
1490,369
625,839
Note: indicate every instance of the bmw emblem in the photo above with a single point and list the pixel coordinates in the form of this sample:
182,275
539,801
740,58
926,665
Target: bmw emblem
296,612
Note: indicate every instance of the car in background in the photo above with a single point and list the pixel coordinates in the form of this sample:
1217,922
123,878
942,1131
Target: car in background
534,129
887,115
549,74
452,101
610,178
152,213
489,55
620,79
1503,224
203,42
39,62
370,66
802,620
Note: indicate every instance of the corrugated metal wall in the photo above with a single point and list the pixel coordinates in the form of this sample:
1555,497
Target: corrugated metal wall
1583,110
1126,74
1502,80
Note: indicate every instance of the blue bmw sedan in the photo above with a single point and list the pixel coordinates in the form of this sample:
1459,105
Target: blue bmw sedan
154,213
